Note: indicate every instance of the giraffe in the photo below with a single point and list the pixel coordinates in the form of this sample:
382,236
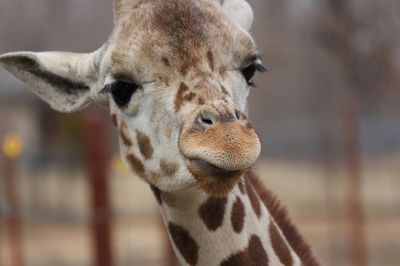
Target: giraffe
175,76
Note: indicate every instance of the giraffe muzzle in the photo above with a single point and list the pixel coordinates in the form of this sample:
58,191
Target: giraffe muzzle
222,141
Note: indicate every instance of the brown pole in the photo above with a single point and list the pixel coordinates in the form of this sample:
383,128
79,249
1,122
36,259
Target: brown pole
96,139
13,218
355,205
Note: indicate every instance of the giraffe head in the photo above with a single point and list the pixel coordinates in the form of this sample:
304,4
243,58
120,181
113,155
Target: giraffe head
175,76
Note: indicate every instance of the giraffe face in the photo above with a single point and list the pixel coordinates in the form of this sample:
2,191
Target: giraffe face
180,111
175,76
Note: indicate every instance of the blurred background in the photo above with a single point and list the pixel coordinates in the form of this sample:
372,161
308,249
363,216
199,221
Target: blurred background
327,111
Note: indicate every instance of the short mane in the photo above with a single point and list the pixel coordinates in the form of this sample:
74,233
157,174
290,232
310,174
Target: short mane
279,213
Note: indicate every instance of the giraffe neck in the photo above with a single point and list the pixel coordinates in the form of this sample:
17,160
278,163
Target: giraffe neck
238,229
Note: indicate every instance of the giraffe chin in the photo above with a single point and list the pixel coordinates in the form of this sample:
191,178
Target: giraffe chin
215,181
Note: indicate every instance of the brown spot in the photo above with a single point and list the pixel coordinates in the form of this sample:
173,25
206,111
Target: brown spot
179,98
212,212
279,245
237,259
114,120
126,140
241,187
157,193
237,215
190,97
165,61
168,168
253,255
185,243
255,202
136,164
210,59
257,253
201,101
184,69
144,145
278,212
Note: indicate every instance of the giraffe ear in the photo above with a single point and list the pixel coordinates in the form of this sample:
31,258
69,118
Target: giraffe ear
240,12
63,80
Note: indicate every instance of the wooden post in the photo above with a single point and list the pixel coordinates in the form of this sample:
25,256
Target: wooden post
96,139
12,147
336,31
355,215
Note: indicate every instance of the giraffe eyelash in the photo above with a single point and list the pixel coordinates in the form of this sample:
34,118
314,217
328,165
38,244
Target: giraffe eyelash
106,89
257,62
260,67
249,71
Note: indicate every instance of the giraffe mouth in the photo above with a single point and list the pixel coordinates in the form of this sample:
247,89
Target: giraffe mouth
215,181
213,170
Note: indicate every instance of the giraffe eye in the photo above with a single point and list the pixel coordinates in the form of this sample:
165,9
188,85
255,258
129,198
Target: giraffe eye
122,92
249,71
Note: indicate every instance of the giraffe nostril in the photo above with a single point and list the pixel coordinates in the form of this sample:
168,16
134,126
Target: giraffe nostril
206,121
237,114
206,118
